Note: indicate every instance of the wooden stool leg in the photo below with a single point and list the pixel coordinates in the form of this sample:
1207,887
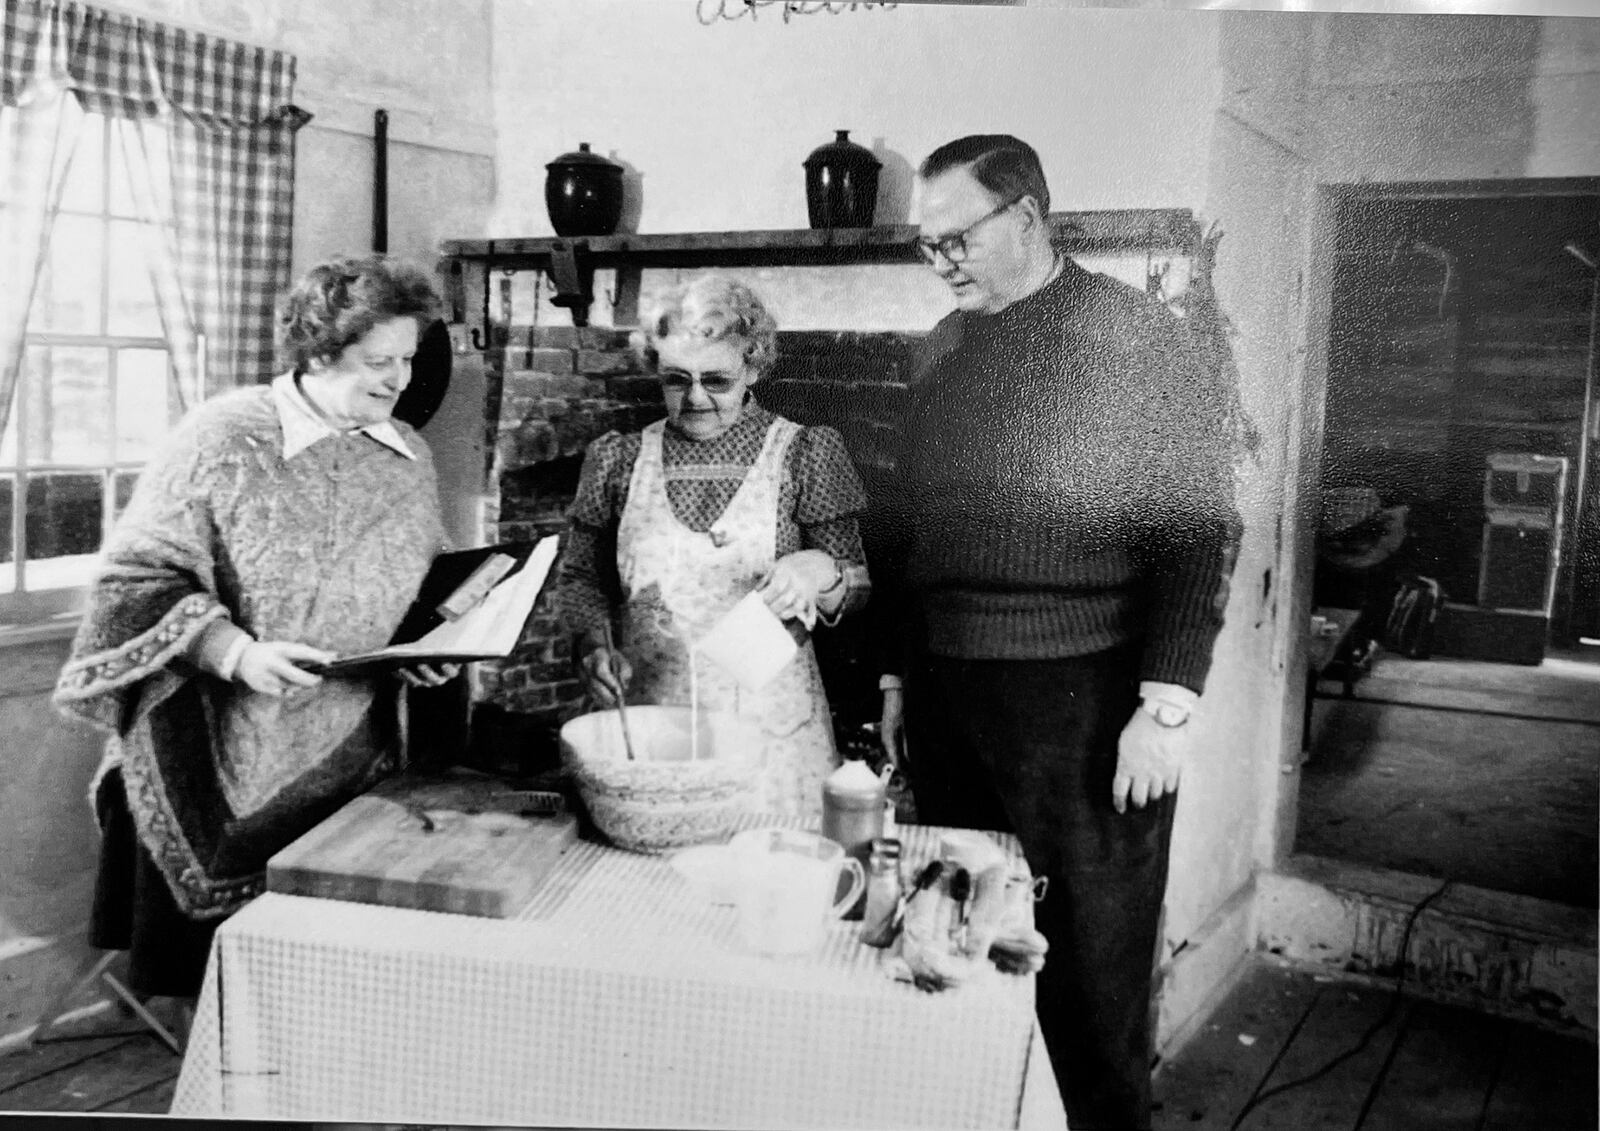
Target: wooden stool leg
92,967
133,1003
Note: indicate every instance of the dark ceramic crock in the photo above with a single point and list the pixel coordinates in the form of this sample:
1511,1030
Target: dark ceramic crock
583,193
841,184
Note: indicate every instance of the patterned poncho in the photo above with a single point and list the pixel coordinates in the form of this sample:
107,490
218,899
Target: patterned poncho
326,548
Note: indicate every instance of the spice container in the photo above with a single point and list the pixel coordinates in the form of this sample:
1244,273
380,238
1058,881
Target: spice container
879,926
852,813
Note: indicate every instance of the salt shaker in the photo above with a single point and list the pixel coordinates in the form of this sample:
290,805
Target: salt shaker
883,892
852,814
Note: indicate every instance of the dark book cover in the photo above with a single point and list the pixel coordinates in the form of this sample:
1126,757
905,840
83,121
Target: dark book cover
466,636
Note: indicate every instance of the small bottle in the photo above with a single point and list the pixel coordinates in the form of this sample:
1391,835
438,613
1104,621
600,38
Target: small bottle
883,892
852,814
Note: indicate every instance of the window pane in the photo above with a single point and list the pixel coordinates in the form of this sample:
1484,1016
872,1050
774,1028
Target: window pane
8,487
123,482
64,515
142,378
121,192
148,149
68,298
8,442
85,190
69,405
133,296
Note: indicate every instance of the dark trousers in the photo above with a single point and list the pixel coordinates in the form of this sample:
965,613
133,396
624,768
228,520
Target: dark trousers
134,910
1030,747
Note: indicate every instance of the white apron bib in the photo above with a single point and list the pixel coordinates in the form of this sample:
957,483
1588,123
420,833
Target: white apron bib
677,582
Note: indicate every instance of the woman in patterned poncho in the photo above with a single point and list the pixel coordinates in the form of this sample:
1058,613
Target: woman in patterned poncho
281,525
673,526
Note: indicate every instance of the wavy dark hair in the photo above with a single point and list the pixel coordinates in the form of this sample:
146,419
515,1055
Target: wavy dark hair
1006,166
337,303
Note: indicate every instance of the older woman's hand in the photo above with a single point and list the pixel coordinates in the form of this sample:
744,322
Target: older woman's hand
429,675
791,588
606,674
272,667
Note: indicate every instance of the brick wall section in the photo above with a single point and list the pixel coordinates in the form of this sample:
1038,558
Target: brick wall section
555,389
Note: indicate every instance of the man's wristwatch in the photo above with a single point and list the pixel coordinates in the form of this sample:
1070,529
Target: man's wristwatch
1165,714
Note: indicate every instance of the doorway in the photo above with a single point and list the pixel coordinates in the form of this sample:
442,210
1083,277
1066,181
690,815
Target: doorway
1459,475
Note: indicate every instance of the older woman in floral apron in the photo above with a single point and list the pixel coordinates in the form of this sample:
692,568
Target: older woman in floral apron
672,526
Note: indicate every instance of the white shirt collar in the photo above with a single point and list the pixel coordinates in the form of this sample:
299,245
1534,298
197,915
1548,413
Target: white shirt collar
302,427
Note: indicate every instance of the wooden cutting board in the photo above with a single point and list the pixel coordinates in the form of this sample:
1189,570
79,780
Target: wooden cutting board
455,842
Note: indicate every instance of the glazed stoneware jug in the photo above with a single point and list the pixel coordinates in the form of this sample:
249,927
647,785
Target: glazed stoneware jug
583,193
841,184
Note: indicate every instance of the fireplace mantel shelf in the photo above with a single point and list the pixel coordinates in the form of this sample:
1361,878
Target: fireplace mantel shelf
1111,229
571,262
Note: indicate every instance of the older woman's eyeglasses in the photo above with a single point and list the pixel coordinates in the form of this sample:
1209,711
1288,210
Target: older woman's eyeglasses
680,381
954,246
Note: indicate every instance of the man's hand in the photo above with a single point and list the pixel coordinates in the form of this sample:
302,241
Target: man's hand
1149,761
892,726
269,667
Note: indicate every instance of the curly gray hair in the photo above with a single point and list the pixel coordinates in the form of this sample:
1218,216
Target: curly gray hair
716,308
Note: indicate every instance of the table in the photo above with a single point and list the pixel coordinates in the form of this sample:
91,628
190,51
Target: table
615,998
1321,651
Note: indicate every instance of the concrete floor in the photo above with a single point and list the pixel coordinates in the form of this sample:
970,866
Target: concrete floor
1488,774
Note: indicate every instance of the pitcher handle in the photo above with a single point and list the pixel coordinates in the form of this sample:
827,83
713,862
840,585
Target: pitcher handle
858,883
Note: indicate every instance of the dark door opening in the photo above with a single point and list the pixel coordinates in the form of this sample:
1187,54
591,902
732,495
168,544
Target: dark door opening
1460,447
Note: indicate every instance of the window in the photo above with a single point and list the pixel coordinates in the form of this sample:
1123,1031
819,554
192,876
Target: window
96,393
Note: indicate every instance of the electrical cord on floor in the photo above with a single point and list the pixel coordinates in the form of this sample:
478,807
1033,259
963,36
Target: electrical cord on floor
1366,1038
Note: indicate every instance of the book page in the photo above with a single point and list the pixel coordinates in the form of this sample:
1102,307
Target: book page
488,630
494,624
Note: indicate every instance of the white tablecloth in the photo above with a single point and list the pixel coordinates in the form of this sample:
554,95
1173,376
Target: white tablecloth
616,998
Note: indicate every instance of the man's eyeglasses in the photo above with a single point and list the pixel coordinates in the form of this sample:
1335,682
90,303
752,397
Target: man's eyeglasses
954,246
713,383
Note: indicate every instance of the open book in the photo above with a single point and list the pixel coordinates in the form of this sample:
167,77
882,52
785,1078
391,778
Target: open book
483,629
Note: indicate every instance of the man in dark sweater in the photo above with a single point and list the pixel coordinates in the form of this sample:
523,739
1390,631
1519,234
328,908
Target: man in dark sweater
1064,532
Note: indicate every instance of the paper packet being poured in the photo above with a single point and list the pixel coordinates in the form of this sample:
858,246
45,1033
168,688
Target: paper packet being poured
750,643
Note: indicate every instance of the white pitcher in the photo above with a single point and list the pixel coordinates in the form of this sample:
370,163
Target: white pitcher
787,881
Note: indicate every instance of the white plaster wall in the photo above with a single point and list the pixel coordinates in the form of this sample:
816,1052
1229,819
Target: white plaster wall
1457,98
716,120
1228,789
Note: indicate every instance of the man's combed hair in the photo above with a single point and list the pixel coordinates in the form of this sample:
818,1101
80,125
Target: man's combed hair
1006,166
337,303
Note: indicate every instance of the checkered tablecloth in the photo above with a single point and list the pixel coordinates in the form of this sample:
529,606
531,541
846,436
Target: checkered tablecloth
617,997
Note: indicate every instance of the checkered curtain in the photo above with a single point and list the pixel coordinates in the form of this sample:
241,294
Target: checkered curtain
205,130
